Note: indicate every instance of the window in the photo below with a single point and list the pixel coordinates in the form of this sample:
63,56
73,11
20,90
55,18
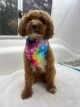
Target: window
37,4
8,17
9,13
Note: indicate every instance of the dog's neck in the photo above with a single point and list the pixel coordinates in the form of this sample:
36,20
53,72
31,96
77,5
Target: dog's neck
36,50
33,40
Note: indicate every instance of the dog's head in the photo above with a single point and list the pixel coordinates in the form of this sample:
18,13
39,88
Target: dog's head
36,23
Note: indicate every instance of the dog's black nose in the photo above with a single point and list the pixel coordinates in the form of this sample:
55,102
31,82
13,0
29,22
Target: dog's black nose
34,26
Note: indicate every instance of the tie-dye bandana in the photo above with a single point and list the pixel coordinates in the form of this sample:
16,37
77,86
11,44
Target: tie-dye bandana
36,50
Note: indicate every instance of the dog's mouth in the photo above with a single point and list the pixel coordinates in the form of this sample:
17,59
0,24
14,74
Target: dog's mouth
35,35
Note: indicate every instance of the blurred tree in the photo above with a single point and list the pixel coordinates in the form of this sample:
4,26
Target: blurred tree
8,17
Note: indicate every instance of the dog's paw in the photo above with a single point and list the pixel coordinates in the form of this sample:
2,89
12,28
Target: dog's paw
26,94
52,89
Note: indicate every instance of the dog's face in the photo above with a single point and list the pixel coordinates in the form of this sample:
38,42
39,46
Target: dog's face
37,24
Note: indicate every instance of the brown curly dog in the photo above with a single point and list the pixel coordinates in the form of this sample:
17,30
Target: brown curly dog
37,26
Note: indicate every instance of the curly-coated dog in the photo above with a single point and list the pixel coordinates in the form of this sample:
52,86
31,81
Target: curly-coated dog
38,56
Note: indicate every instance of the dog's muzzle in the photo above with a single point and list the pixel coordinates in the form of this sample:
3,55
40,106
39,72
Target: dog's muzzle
35,28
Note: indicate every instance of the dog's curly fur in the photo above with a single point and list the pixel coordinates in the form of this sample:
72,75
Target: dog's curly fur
44,23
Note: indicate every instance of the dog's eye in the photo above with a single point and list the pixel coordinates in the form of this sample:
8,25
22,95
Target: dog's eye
44,21
29,19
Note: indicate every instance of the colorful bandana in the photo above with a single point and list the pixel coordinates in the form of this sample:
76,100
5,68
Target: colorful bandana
36,50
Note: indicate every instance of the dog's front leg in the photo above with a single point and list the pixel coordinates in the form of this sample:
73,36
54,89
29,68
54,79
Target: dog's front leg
27,92
50,72
50,77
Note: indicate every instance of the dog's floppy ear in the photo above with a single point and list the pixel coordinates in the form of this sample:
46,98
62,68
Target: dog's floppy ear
22,25
50,30
49,24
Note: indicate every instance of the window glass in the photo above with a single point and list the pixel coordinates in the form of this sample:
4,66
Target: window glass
8,17
37,4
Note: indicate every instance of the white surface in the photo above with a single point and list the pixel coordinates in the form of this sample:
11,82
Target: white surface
11,59
66,14
66,19
67,95
11,55
63,51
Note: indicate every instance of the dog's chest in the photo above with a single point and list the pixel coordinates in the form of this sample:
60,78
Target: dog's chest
40,66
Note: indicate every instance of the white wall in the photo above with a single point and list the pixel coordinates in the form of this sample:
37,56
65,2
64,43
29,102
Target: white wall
66,14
